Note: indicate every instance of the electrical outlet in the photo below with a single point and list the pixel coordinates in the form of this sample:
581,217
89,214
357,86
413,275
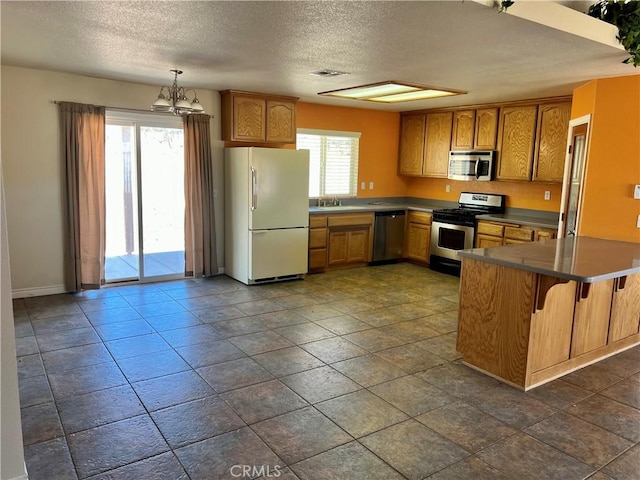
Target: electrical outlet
447,188
636,192
547,195
638,224
363,186
370,185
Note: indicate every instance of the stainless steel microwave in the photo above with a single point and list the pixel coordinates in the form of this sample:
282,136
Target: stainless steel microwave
471,165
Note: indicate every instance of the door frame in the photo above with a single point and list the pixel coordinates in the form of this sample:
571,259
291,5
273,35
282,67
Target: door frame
566,182
136,120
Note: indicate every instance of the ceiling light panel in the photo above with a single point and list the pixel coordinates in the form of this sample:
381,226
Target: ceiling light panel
391,92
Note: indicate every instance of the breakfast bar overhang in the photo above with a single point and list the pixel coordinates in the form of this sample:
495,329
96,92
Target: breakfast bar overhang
530,313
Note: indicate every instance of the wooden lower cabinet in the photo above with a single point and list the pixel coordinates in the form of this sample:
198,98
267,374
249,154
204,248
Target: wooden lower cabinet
528,329
348,246
418,237
493,234
339,240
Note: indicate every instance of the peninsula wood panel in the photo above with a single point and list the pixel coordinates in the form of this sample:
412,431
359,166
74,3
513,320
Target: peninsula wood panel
591,317
551,326
486,129
412,130
625,308
281,121
551,142
463,129
516,142
494,324
437,144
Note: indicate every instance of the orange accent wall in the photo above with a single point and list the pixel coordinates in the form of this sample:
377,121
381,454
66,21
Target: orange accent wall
378,157
613,164
519,195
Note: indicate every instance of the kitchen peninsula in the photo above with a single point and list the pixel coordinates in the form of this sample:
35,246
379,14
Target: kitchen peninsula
530,313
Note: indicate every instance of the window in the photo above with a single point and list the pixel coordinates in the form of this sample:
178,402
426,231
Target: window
333,162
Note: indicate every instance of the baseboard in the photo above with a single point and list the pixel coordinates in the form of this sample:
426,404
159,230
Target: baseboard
38,291
24,476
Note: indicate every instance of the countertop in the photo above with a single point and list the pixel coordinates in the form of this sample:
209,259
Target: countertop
548,220
582,259
375,207
515,216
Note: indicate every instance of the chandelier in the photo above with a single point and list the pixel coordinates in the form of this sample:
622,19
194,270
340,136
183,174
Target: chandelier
174,99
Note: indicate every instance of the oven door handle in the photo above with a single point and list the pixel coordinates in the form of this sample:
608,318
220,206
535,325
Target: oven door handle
477,168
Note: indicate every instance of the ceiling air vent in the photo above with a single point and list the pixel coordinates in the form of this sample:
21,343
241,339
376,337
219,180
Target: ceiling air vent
328,73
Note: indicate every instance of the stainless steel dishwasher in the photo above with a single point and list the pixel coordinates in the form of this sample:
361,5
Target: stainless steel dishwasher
388,236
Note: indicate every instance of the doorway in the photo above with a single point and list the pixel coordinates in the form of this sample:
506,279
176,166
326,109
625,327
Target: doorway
572,186
144,198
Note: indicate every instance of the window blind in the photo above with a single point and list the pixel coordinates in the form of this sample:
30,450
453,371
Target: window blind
333,161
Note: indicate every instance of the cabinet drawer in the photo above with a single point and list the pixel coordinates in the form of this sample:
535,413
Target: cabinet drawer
317,237
492,229
419,217
316,221
350,220
318,259
546,234
519,233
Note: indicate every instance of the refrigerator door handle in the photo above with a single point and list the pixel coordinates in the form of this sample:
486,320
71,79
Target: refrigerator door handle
254,189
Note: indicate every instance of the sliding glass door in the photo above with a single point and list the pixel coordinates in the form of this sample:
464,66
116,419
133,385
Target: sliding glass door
144,197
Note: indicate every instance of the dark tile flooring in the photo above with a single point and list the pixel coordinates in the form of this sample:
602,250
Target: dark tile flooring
346,375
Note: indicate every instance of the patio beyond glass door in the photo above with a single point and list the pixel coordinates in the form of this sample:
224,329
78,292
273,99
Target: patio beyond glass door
145,203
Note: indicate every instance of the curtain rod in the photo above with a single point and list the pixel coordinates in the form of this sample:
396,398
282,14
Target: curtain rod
122,109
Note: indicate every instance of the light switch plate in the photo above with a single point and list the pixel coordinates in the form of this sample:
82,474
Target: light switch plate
447,188
638,224
636,192
363,186
370,185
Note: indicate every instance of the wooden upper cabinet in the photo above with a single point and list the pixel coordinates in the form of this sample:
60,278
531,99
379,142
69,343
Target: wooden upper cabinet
516,135
437,143
551,142
281,121
486,129
255,118
411,144
463,128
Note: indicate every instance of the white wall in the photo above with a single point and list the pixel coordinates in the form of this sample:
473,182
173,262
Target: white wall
11,452
33,171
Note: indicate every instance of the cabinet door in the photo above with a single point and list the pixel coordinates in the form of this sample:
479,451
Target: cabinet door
486,129
463,127
437,143
337,247
625,308
591,318
358,245
249,119
418,240
486,241
551,142
281,122
411,144
516,141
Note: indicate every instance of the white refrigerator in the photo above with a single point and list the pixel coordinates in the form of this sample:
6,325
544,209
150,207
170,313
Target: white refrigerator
266,214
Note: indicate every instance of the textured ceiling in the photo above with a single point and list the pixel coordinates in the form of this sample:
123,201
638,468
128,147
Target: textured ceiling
272,47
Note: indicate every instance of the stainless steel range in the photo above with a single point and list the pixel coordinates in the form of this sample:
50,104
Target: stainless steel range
453,229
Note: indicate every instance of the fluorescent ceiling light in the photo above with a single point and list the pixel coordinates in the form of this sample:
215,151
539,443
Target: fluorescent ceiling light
392,91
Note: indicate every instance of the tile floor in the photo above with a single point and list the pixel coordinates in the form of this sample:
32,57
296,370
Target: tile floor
345,375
